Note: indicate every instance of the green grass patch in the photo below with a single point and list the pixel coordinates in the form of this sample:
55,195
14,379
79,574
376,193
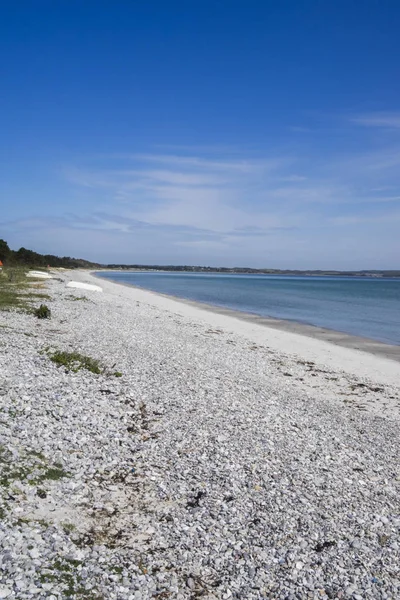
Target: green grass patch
23,521
52,474
74,361
9,474
30,475
37,296
36,454
67,564
35,471
16,291
66,573
10,299
14,274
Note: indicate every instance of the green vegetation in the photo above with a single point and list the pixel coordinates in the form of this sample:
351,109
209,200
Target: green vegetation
43,523
34,472
14,275
74,361
75,298
35,296
28,258
5,455
52,474
23,521
29,474
65,571
43,312
12,288
9,475
11,299
16,292
117,569
36,454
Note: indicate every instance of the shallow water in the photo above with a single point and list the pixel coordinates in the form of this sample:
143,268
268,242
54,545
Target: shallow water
359,306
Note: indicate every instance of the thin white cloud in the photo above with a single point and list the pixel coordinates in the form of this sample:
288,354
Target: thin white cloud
209,244
178,177
244,165
389,120
212,204
222,196
392,218
377,199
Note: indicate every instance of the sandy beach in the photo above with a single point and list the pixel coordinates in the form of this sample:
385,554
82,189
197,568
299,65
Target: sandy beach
217,455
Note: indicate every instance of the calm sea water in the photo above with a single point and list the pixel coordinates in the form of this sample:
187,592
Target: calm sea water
365,307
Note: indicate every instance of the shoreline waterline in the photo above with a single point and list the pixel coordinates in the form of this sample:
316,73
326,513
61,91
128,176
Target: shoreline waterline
330,336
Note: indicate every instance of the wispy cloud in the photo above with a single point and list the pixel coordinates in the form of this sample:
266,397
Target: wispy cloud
226,207
393,217
388,120
215,195
180,178
225,196
241,165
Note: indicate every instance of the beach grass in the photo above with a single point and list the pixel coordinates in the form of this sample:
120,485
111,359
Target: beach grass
74,361
18,293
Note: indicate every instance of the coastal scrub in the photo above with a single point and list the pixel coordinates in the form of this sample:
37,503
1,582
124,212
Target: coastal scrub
74,361
43,312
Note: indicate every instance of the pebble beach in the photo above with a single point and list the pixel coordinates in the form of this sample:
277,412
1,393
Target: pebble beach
209,457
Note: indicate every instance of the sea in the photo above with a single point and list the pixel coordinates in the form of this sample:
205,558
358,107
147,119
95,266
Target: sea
367,307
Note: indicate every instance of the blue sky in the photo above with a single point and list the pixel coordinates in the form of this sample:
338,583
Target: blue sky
225,132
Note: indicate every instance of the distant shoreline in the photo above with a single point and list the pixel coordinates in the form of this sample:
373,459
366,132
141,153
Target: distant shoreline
363,274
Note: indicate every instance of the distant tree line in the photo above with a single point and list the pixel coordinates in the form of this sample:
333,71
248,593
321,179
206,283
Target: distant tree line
249,270
29,258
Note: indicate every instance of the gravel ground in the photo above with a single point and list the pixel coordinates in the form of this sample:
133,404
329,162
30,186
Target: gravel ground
196,465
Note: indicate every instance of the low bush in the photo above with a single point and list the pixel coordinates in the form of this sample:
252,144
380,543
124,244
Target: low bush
43,312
